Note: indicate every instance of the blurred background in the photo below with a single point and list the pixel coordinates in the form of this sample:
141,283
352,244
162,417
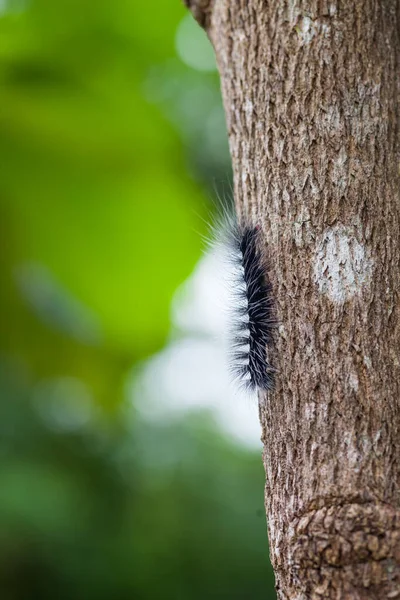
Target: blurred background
129,467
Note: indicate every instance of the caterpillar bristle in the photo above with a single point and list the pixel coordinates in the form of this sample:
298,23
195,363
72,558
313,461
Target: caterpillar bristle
253,314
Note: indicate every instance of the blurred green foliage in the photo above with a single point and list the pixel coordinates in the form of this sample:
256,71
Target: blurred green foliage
139,512
107,143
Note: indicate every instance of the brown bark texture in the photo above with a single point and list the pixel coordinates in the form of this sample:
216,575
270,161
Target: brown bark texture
311,94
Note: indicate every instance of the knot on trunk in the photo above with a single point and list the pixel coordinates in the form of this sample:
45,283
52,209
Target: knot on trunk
361,542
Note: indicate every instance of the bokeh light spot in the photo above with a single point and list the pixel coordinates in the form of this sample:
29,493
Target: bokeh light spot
193,46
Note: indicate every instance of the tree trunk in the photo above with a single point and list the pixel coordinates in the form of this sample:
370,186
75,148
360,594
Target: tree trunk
311,94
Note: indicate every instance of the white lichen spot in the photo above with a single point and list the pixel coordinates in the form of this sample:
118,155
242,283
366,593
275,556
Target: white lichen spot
323,410
367,362
309,411
282,332
240,35
248,108
325,29
307,28
351,451
332,9
245,171
353,381
297,234
342,266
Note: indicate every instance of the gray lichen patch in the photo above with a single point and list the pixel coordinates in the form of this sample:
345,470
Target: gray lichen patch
342,266
307,28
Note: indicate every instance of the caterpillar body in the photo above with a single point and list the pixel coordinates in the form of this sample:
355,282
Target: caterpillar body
253,312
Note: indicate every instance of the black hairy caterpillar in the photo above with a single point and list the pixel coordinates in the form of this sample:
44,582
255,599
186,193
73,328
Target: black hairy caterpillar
253,314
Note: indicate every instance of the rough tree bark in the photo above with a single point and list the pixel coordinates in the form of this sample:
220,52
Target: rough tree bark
311,94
